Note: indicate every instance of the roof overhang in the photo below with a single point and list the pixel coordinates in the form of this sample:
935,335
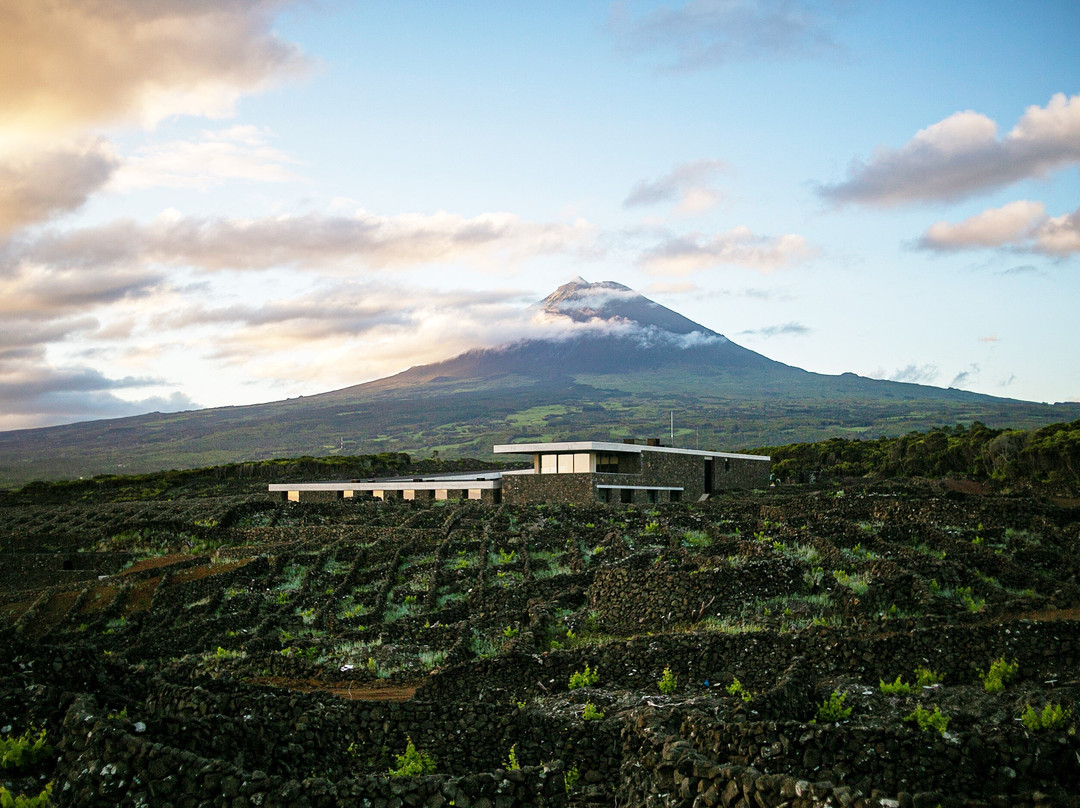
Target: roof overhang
611,446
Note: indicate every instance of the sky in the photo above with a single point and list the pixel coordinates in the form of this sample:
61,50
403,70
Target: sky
207,204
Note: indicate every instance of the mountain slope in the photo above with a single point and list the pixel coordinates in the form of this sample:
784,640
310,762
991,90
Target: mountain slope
607,363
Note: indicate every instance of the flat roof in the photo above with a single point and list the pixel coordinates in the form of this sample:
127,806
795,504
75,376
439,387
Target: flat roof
449,484
612,446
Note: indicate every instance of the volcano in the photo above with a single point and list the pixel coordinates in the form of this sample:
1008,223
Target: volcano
604,363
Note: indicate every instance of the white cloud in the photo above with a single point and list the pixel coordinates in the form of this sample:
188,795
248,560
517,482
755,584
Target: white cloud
241,152
913,374
683,255
789,329
72,65
703,33
962,155
690,184
38,184
312,241
1022,226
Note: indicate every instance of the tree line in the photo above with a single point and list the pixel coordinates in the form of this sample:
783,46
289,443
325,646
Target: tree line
1050,454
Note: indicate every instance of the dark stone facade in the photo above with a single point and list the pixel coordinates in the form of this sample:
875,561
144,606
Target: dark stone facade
657,470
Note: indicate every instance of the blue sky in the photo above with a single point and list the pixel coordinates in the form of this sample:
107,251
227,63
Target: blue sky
205,204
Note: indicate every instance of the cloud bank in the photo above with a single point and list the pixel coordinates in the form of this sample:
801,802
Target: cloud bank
685,254
312,241
39,185
1023,226
68,66
962,155
690,184
705,33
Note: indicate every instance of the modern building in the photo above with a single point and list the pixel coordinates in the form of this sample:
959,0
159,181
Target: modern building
572,471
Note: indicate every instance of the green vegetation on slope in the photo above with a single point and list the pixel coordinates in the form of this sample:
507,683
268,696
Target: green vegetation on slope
1050,454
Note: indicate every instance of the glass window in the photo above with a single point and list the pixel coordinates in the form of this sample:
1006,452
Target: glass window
607,463
474,493
582,463
566,464
548,463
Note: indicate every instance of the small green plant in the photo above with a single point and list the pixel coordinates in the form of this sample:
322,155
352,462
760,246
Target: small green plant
590,713
668,683
927,720
894,688
10,800
924,677
652,528
1052,716
225,653
833,709
697,538
413,763
570,778
512,761
814,576
971,603
507,557
22,751
372,665
736,689
585,678
855,583
999,675
510,632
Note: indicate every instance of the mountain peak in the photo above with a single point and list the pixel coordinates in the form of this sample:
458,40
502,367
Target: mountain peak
583,301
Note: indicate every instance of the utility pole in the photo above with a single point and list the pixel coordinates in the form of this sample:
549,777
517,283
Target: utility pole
673,428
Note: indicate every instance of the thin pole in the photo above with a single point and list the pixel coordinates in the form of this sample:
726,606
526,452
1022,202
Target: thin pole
673,427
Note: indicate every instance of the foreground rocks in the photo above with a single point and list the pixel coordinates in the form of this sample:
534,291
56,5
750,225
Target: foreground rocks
237,652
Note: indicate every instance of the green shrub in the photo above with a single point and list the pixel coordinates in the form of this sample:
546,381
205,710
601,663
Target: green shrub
413,763
893,688
585,678
590,713
570,778
924,677
21,752
42,800
697,538
1052,716
929,720
668,683
999,675
833,709
856,583
512,761
971,603
736,689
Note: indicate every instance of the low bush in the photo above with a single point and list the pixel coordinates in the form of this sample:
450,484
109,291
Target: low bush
585,678
833,709
929,720
894,688
413,763
999,675
22,751
668,682
1052,716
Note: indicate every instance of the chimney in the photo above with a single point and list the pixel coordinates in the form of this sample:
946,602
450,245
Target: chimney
653,441
630,441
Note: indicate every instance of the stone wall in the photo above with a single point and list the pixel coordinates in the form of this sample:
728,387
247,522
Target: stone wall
628,599
106,763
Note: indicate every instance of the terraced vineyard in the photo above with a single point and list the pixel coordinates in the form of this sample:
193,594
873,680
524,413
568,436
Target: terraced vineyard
875,646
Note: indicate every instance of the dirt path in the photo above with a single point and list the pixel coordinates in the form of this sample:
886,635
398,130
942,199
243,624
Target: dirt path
354,691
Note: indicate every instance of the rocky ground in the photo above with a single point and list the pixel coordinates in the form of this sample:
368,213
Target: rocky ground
875,645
